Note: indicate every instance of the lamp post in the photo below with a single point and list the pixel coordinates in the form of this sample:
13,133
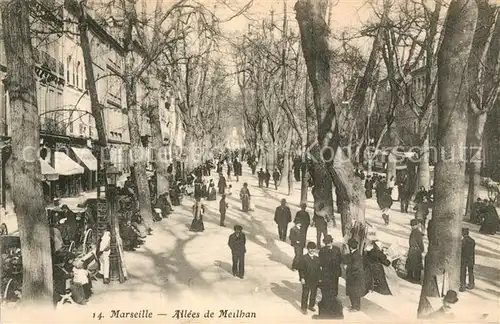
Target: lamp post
115,262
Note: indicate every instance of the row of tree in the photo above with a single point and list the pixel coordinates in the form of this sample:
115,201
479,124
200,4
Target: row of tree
167,52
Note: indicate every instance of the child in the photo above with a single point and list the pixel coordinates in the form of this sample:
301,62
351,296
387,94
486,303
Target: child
229,190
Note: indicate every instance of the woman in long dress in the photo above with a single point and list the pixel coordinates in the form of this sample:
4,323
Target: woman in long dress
245,198
375,260
198,211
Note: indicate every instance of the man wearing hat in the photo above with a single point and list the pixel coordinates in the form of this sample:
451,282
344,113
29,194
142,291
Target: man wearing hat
355,276
467,260
303,218
309,274
414,263
282,216
330,258
237,242
445,312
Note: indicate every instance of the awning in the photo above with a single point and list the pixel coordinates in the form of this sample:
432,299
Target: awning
65,166
48,172
86,157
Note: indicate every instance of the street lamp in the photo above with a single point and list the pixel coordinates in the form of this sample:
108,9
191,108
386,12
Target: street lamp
115,261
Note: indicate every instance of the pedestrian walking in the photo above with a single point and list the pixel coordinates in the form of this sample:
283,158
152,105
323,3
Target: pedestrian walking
467,260
261,176
303,218
309,274
330,258
298,243
267,177
228,170
276,178
282,216
369,187
222,209
198,211
355,277
222,184
320,221
237,242
414,263
245,197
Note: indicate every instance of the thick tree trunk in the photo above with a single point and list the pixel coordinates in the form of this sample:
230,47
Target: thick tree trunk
26,182
323,185
95,106
161,156
287,166
189,150
443,256
314,33
138,151
475,132
291,179
391,157
304,181
424,173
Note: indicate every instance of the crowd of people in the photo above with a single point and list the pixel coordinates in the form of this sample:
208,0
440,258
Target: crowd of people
369,267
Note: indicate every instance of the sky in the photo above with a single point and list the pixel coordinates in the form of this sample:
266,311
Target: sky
346,13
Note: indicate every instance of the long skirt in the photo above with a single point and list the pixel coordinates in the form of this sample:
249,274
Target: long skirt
197,225
245,203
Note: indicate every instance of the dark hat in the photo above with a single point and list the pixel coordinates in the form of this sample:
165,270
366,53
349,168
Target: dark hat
352,243
238,228
304,205
311,245
328,239
321,205
414,222
465,231
451,297
283,200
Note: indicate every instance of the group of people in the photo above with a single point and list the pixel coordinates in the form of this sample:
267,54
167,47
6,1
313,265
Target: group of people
485,214
265,177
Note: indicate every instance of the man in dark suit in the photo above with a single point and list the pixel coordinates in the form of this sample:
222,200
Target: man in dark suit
309,273
282,216
330,258
298,242
467,260
236,243
304,218
355,276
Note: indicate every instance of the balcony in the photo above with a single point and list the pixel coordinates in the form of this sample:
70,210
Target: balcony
51,125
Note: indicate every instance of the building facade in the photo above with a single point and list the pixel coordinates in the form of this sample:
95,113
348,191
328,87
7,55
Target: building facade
67,127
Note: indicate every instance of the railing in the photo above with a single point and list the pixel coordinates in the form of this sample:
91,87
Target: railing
53,126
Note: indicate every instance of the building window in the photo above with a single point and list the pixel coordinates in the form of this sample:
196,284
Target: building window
73,74
78,66
68,67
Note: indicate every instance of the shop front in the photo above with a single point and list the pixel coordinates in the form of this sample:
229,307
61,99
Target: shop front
87,160
70,175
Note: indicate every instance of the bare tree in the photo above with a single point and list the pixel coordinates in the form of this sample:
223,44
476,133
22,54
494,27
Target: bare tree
443,256
314,32
26,181
484,85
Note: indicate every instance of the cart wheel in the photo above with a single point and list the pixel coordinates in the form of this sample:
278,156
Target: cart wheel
3,229
9,294
71,246
87,241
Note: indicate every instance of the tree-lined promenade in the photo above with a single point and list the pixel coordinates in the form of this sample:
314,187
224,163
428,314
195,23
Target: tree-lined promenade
310,105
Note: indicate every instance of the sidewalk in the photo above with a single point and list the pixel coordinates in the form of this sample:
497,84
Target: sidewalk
180,270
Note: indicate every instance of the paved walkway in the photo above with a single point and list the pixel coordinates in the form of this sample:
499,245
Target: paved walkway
180,270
